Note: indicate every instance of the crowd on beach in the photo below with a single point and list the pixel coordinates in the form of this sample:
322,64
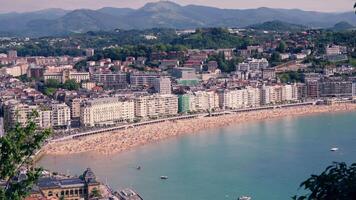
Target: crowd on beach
118,141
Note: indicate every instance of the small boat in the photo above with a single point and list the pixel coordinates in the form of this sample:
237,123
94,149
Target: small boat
245,198
138,167
164,177
334,149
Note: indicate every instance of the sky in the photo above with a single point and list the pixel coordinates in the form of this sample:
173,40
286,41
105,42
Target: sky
315,5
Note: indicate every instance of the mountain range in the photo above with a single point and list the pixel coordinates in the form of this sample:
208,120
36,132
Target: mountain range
163,14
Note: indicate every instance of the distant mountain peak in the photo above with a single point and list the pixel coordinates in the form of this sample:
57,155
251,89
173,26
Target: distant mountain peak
165,14
160,5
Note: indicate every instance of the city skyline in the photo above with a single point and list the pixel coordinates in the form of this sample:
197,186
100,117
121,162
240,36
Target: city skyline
316,5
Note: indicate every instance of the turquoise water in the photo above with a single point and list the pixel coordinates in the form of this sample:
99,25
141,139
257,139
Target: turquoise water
265,160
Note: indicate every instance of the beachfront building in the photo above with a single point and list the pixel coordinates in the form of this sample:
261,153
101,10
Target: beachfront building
253,97
186,103
106,111
20,113
69,188
60,115
330,88
75,107
232,99
312,88
16,112
278,94
154,106
200,101
45,118
206,100
239,98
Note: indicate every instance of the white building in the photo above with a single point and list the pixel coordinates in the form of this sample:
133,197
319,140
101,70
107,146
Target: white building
333,50
60,115
205,100
278,94
67,75
257,64
284,56
106,111
154,106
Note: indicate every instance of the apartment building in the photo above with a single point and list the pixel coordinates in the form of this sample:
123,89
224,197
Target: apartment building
66,75
162,85
111,80
156,106
142,79
329,88
60,115
232,99
106,111
198,101
278,94
16,112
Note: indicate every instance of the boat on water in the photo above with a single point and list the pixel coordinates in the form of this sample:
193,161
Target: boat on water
164,177
138,167
334,149
245,198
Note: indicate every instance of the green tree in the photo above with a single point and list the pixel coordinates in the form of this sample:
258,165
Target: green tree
52,83
282,47
337,182
16,149
275,58
71,85
95,193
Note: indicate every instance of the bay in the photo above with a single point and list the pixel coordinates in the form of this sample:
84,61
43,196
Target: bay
263,159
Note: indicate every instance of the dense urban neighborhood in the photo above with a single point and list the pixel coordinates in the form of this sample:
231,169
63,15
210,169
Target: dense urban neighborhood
112,85
91,82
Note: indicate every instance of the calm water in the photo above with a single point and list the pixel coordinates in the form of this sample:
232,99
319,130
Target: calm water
266,160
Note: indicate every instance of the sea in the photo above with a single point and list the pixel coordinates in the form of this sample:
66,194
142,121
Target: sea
266,160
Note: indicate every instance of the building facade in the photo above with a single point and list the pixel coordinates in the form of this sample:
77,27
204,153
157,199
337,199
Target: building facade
106,111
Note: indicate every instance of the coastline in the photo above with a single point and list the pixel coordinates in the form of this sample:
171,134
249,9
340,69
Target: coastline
123,140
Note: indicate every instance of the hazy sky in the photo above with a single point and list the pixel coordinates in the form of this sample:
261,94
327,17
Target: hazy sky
318,5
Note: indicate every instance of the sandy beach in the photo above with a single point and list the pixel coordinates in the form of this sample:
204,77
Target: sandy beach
118,141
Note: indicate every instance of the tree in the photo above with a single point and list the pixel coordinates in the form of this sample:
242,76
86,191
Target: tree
52,83
95,193
71,85
282,47
275,58
337,182
16,149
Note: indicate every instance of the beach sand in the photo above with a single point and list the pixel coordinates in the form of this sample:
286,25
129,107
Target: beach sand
122,140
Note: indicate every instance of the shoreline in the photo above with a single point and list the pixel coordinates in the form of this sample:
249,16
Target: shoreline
123,140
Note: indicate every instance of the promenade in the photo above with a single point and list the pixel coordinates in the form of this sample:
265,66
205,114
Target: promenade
118,139
183,117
